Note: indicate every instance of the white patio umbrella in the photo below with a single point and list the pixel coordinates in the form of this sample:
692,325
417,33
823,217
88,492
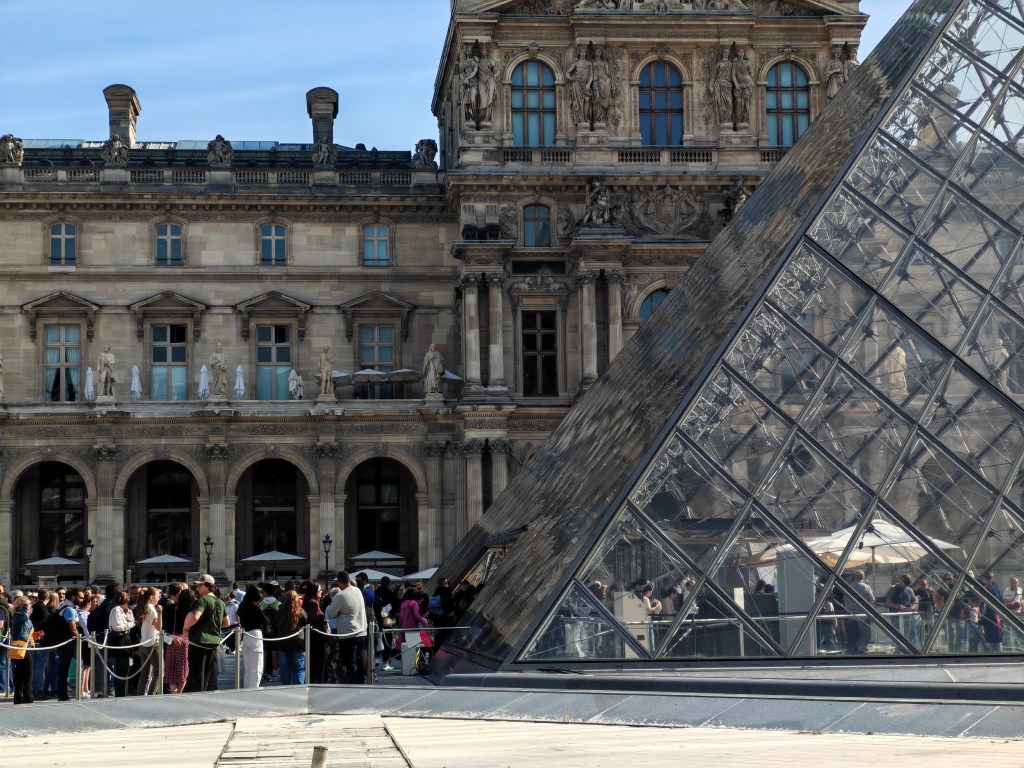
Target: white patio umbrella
239,382
403,376
204,383
272,558
56,563
90,388
369,376
425,574
165,561
136,389
881,543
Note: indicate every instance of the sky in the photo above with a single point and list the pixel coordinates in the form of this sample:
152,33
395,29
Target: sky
238,68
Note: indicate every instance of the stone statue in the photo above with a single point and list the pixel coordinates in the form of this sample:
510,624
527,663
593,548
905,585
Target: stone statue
218,372
894,372
743,82
325,364
1000,360
219,151
487,85
603,89
581,84
433,370
114,150
324,153
851,63
478,77
834,74
721,89
105,368
12,151
426,151
599,211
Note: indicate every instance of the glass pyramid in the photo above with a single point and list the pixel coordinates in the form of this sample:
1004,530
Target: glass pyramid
843,470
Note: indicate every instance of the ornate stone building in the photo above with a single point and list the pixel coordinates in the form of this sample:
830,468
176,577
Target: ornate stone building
169,307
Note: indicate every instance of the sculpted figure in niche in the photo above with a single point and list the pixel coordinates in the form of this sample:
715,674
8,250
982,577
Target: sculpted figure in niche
835,75
218,371
599,211
721,88
433,370
105,367
12,151
426,150
219,151
324,153
581,82
743,81
114,150
487,85
602,89
851,63
325,364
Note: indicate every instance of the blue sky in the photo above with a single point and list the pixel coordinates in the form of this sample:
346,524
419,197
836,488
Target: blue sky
240,69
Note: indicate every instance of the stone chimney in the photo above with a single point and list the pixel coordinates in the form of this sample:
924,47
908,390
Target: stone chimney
322,107
124,108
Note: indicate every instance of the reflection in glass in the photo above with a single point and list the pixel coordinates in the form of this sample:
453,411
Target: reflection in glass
930,132
579,628
890,179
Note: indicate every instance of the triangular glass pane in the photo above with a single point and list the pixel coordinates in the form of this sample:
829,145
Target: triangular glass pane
858,237
933,295
988,35
996,350
711,628
966,237
897,359
939,497
890,179
1002,555
952,71
1010,289
977,426
853,615
930,132
578,630
857,427
688,499
819,297
977,619
994,178
1006,124
807,491
779,360
732,425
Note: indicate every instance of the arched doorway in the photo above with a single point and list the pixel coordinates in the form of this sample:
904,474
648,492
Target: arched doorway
50,517
162,515
381,510
272,514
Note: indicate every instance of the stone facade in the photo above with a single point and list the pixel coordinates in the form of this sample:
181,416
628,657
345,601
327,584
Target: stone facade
528,262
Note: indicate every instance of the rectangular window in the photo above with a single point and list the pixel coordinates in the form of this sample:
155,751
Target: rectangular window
376,351
540,353
62,244
168,245
375,245
168,358
273,361
62,363
272,246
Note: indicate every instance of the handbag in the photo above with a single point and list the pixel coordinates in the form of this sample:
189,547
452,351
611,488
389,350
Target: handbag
18,652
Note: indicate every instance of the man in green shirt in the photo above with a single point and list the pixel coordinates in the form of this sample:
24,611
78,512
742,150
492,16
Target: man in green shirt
202,630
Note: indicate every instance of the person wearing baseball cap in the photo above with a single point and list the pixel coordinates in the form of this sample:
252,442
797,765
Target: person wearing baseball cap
202,633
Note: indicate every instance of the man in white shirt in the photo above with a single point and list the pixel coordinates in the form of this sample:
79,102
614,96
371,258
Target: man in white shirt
348,609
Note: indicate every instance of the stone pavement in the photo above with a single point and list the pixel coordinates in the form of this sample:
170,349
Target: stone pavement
398,742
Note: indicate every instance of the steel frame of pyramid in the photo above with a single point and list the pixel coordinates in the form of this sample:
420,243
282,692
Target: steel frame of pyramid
855,405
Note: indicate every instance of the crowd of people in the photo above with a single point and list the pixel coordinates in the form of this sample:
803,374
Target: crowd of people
126,633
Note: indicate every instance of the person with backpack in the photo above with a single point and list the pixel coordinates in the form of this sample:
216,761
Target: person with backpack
121,622
202,635
61,627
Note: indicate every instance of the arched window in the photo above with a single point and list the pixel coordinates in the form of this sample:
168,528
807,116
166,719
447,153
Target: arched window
651,303
536,226
533,105
787,104
661,105
168,245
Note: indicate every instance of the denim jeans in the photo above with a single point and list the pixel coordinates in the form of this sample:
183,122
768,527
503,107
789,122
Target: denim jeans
292,667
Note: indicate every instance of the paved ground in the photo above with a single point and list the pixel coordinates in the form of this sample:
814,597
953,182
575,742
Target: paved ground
396,742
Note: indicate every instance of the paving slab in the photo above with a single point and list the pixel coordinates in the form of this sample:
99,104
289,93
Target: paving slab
666,710
913,718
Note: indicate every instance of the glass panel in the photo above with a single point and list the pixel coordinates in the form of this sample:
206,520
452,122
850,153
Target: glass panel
858,237
994,178
711,628
857,427
931,133
952,72
1006,123
818,296
735,428
977,427
996,350
282,382
264,383
973,241
579,629
988,35
891,180
178,384
779,360
158,389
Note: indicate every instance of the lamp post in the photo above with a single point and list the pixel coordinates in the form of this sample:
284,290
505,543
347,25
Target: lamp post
327,558
208,546
88,557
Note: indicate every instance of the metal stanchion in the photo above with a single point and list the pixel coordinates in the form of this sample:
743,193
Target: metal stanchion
160,664
92,665
78,669
371,641
238,657
305,637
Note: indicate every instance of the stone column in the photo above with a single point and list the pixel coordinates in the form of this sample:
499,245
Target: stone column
615,281
449,499
230,523
109,552
431,539
323,517
123,110
423,528
471,326
460,515
474,483
588,326
7,542
496,368
117,512
499,466
217,527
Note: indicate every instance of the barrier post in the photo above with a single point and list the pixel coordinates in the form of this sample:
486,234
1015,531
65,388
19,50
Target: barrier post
238,657
371,649
78,668
160,664
306,638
